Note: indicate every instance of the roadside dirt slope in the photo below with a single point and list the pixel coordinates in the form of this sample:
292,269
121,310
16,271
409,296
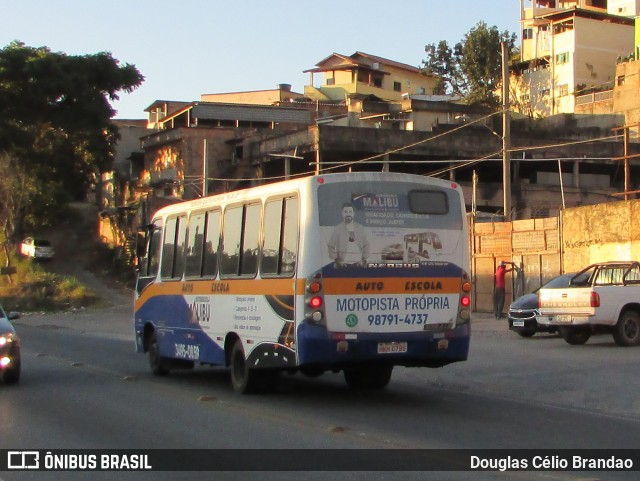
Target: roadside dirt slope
80,254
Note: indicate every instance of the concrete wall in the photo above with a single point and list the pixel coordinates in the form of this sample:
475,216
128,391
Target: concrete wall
259,97
602,232
544,248
598,45
532,244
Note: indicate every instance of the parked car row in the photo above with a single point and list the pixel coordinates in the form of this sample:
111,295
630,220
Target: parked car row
602,297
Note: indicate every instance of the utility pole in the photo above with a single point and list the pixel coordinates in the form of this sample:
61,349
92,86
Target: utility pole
506,134
205,168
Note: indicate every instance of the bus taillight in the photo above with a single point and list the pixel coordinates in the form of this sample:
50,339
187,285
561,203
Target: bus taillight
316,302
464,313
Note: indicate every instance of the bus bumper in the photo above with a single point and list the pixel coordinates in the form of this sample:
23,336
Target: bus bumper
331,350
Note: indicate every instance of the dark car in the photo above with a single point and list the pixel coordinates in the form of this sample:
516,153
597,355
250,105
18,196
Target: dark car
522,311
9,348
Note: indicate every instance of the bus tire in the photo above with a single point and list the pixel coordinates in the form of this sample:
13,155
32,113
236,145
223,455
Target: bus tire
576,336
370,377
627,330
159,364
243,379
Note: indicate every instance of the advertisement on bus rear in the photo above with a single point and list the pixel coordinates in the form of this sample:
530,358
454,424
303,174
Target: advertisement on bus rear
392,254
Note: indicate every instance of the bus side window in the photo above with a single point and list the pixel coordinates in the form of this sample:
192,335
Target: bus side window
195,242
289,254
181,237
172,263
211,243
279,252
272,235
250,240
155,243
231,239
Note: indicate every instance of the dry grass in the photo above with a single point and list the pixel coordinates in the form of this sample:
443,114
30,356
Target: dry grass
32,288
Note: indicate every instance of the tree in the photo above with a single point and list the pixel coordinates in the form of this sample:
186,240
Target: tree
55,128
473,68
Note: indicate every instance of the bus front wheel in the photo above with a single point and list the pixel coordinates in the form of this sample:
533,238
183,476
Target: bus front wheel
370,377
159,365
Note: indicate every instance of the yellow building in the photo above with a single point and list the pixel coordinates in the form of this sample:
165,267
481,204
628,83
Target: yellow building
367,75
568,48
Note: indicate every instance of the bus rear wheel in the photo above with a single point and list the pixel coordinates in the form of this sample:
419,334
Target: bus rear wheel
369,377
246,380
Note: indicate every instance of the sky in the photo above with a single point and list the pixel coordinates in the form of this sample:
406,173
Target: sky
188,48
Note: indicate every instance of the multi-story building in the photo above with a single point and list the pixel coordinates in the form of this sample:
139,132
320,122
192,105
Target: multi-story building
569,47
366,118
366,75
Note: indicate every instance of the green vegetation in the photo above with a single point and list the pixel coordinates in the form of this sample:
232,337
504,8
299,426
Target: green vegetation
473,67
56,134
56,138
32,288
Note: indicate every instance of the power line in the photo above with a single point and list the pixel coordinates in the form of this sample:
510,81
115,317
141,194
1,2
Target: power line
465,163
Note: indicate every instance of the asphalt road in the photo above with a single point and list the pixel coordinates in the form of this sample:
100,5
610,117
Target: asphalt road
83,386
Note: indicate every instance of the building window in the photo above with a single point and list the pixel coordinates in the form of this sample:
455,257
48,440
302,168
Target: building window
563,90
562,58
527,34
397,86
331,81
544,92
620,80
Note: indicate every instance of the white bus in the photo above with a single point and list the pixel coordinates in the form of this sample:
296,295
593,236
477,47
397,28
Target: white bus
308,275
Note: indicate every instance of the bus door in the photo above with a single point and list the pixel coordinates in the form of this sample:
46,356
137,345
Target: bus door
150,258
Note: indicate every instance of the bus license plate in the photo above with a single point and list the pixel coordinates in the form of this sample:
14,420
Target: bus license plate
391,347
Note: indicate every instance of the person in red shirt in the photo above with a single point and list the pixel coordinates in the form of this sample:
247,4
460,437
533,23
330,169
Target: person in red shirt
498,304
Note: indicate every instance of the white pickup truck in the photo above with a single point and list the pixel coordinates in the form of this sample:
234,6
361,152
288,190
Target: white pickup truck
603,297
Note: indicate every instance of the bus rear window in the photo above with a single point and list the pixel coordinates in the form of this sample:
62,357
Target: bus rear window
432,202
